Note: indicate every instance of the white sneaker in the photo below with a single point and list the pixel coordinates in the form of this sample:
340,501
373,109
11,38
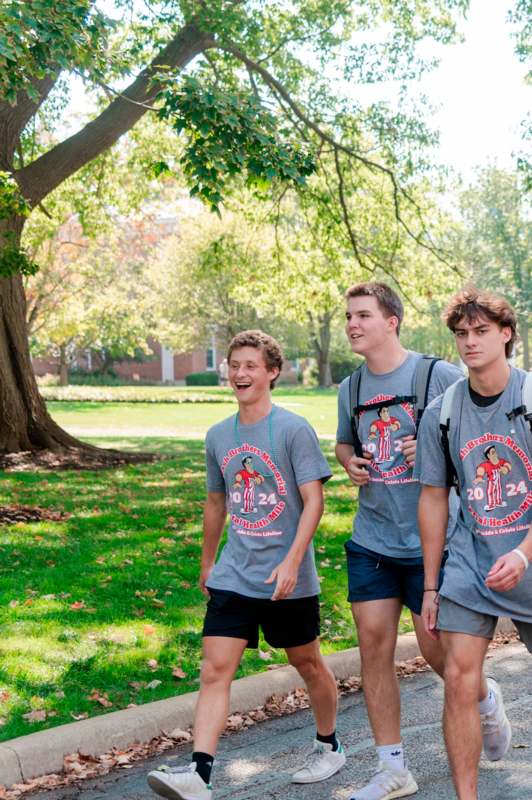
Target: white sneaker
321,763
179,783
496,728
387,783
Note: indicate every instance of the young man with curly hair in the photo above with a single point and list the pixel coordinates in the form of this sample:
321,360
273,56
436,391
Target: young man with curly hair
266,470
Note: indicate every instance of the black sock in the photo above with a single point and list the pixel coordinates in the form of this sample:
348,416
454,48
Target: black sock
331,739
204,763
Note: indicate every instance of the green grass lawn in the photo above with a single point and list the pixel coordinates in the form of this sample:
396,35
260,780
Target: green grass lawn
105,604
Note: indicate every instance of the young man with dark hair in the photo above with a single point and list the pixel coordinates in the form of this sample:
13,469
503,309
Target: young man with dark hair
265,577
480,433
377,448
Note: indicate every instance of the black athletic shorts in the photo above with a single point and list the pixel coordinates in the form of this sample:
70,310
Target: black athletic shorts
284,623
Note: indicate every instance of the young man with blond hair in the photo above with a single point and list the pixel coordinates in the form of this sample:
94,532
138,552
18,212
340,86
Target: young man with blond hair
478,433
266,470
376,445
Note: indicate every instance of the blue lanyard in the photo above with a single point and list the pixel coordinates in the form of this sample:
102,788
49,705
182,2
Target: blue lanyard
270,434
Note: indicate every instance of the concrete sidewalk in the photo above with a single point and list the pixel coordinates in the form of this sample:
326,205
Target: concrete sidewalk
43,752
258,762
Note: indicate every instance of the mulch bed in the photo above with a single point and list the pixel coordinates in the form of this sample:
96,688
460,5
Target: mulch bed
72,458
10,515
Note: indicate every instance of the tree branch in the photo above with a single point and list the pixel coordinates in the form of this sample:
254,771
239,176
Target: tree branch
374,166
39,178
13,119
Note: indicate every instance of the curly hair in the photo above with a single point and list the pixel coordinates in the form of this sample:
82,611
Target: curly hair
471,303
269,347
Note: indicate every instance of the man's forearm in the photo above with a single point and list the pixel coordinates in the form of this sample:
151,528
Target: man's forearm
343,453
433,517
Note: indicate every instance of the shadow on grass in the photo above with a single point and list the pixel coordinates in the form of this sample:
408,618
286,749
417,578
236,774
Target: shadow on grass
107,600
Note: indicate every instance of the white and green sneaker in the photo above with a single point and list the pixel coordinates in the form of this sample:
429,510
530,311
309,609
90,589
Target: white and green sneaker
496,728
179,783
321,763
387,784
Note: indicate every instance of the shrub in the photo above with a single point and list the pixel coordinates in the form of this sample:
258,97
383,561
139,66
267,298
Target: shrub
342,366
202,379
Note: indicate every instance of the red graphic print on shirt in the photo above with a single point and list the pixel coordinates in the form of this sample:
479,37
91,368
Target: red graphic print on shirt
254,509
498,477
388,464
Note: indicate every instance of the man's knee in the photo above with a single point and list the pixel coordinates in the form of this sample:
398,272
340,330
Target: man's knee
376,642
309,663
215,672
462,680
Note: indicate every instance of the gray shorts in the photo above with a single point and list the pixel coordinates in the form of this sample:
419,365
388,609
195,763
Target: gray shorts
455,618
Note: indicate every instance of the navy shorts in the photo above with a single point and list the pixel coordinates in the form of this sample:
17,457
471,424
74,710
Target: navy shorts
284,623
372,576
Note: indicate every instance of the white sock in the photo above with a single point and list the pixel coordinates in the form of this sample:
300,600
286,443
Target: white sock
489,703
392,755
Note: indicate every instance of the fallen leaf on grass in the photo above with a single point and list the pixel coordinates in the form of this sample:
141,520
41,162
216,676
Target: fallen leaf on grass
83,715
156,603
4,696
13,603
77,605
137,685
148,630
178,673
152,663
35,716
153,684
102,699
166,540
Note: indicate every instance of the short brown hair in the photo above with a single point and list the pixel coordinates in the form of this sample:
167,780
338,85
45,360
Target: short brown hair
269,347
388,301
471,303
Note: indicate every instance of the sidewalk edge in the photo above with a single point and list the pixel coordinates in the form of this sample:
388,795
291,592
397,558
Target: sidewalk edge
43,752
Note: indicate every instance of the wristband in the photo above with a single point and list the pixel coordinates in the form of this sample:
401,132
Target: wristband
430,590
522,556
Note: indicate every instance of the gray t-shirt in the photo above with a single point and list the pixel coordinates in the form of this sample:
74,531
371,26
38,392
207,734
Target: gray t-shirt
386,521
259,467
493,459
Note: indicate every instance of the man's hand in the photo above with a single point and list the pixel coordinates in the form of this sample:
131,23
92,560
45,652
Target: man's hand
286,576
505,573
429,614
205,571
408,449
357,469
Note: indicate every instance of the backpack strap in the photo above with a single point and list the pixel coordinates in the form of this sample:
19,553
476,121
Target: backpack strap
526,402
447,405
422,377
354,406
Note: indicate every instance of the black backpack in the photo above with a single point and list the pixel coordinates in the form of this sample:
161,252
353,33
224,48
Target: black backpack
418,398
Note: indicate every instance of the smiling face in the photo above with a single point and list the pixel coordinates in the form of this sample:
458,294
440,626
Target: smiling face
384,414
249,376
366,326
481,342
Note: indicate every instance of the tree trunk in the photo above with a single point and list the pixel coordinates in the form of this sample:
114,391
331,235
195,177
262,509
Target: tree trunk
24,421
63,366
321,340
25,424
